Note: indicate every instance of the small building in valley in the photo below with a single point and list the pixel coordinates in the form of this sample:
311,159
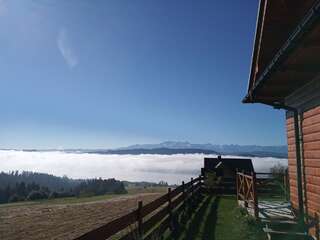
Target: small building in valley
285,74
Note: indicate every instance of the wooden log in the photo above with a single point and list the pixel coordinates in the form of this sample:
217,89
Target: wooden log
237,185
152,206
110,228
155,219
255,197
175,192
140,220
175,203
192,187
119,224
170,207
184,196
158,231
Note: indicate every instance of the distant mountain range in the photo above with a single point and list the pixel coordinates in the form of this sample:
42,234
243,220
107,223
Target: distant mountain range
160,150
232,149
172,147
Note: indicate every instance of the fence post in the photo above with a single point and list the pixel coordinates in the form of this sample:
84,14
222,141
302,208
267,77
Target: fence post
170,208
191,200
316,216
245,189
202,172
191,187
140,219
184,195
255,197
237,186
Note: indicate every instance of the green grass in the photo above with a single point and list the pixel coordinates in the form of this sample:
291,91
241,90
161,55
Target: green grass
219,218
234,223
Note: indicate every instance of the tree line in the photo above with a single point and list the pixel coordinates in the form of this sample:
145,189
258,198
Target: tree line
16,186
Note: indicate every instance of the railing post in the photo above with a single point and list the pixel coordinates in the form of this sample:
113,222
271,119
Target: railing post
140,220
237,186
202,172
191,187
245,189
191,200
170,207
184,195
255,197
200,183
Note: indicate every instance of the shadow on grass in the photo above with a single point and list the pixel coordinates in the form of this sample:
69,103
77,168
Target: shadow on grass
203,222
211,220
182,223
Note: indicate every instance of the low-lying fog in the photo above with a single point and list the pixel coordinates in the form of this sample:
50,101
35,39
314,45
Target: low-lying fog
153,168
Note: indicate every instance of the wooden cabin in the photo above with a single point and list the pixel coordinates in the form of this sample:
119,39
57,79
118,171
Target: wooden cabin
285,74
227,167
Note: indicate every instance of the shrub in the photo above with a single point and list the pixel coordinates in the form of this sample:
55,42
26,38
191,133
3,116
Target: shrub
99,186
211,180
54,195
15,198
278,171
36,195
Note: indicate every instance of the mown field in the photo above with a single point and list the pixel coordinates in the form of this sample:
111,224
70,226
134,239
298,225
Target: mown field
67,218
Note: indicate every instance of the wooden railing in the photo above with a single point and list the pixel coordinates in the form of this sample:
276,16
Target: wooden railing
268,183
250,186
247,191
151,219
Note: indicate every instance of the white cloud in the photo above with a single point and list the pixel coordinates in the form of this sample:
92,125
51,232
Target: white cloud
147,167
65,48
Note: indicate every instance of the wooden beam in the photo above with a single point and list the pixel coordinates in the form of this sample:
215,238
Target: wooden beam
308,68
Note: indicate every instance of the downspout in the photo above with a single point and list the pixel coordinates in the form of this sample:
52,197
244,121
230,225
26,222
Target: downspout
298,161
298,155
305,195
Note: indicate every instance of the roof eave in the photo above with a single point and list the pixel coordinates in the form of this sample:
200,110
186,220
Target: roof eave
256,46
302,29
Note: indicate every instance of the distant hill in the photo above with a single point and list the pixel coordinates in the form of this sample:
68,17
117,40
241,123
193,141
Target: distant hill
172,147
18,186
164,151
232,149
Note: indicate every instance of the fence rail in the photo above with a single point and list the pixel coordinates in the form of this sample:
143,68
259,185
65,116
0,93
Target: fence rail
262,184
154,217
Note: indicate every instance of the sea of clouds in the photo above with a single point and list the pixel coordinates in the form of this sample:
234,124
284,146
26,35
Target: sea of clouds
145,167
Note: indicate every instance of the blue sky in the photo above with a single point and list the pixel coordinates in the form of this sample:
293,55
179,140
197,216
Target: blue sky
103,74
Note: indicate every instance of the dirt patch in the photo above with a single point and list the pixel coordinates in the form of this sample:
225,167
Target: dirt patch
64,221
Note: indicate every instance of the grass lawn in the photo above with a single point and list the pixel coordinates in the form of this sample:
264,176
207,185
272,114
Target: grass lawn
219,218
232,223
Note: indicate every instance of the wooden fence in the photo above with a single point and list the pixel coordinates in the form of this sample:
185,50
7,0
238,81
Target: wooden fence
247,191
152,219
273,185
250,186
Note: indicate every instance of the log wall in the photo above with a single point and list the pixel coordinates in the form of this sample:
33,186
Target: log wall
311,158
